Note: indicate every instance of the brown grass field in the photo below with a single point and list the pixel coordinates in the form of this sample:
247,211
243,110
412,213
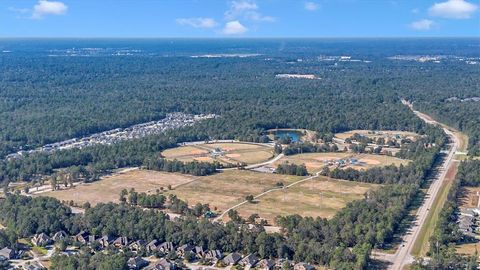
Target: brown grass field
380,133
469,197
468,249
223,190
108,188
321,197
233,153
316,161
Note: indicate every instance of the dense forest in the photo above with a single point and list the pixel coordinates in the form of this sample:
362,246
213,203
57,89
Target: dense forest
47,99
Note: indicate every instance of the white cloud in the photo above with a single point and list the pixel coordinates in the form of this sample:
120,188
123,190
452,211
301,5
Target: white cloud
422,25
197,22
453,9
247,10
312,6
234,28
45,7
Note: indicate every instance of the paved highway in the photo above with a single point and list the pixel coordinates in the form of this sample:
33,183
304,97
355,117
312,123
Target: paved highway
403,255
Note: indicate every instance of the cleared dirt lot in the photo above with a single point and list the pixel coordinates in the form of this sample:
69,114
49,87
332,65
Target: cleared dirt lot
227,153
109,188
468,249
469,197
321,197
316,161
223,190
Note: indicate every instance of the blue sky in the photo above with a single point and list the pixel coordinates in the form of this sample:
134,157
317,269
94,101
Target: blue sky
239,18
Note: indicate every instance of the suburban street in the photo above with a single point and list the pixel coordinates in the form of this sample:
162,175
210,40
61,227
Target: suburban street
403,255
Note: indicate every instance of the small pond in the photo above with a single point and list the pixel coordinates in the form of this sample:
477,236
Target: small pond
295,135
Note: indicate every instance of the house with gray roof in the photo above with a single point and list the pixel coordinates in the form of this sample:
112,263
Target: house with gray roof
162,264
232,258
249,261
7,253
60,235
136,263
41,240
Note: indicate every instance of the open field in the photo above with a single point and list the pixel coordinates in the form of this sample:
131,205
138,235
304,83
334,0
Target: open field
316,161
223,190
109,188
227,153
377,134
468,249
469,197
320,197
421,245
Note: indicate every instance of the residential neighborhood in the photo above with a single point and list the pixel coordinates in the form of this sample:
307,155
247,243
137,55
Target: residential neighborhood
154,255
171,121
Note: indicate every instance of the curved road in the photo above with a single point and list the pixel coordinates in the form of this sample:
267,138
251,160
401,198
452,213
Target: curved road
403,255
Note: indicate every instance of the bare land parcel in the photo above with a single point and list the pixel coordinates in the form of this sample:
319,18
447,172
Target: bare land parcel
319,197
227,153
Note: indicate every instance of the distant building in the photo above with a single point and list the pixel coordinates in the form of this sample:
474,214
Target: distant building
232,258
152,246
137,245
162,264
266,264
136,263
41,240
249,261
181,251
35,266
303,266
60,235
166,247
105,241
121,242
213,255
7,253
